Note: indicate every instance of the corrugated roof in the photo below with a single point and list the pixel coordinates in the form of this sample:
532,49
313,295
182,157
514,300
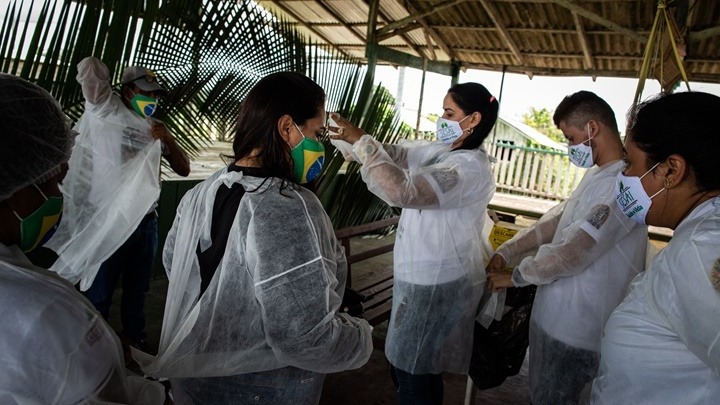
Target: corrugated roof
536,37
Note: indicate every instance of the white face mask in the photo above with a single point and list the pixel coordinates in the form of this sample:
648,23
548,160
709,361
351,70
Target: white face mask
581,155
632,198
448,131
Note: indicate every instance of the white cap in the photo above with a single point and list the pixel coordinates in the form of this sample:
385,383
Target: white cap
144,78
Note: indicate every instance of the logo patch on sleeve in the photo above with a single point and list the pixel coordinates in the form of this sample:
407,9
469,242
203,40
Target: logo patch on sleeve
94,334
447,179
600,214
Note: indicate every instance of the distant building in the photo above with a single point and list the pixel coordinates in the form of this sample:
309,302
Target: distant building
511,132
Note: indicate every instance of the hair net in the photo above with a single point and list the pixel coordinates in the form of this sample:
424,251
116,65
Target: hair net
36,135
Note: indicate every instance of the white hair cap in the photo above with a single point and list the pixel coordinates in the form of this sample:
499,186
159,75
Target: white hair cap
35,134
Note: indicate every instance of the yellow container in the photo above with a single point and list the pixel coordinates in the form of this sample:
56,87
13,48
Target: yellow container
502,232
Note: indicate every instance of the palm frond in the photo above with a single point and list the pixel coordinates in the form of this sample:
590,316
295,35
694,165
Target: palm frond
208,54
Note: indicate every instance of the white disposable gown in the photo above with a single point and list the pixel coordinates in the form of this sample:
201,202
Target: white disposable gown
662,344
274,299
54,347
581,254
439,269
112,183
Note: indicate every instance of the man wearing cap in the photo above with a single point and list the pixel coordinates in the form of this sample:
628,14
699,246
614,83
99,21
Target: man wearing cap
113,186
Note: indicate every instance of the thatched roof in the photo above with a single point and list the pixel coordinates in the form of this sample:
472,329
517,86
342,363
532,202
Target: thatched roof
536,37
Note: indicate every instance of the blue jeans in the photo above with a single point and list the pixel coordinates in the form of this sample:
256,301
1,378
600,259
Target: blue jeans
288,385
417,389
134,261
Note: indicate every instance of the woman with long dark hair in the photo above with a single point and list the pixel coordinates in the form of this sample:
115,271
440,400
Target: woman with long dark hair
256,273
662,344
444,188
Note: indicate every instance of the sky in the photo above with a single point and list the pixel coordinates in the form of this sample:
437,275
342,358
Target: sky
520,92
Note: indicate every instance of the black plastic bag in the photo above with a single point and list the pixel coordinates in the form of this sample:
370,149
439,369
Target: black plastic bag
499,350
352,303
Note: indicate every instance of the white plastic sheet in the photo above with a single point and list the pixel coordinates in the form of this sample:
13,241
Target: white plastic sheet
439,261
582,271
273,301
54,347
662,344
112,183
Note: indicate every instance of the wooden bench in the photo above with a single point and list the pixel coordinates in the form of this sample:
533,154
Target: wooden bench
376,287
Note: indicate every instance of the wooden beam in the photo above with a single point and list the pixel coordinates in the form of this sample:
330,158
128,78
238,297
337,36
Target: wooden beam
370,51
571,55
692,12
632,74
340,20
600,20
551,1
401,34
438,40
583,41
417,16
404,59
399,31
495,17
432,49
704,34
331,24
486,28
340,23
311,29
550,71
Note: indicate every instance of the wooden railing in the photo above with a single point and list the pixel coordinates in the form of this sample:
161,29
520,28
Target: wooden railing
533,172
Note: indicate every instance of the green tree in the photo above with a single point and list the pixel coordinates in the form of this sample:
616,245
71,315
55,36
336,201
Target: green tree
541,119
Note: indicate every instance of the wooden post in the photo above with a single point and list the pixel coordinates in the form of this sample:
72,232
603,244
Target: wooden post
502,84
370,50
455,75
420,103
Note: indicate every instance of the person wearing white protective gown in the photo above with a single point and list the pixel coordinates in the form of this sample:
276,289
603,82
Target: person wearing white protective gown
444,188
662,344
54,347
256,275
581,254
112,187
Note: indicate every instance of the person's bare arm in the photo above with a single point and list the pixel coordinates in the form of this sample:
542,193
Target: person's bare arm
177,158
